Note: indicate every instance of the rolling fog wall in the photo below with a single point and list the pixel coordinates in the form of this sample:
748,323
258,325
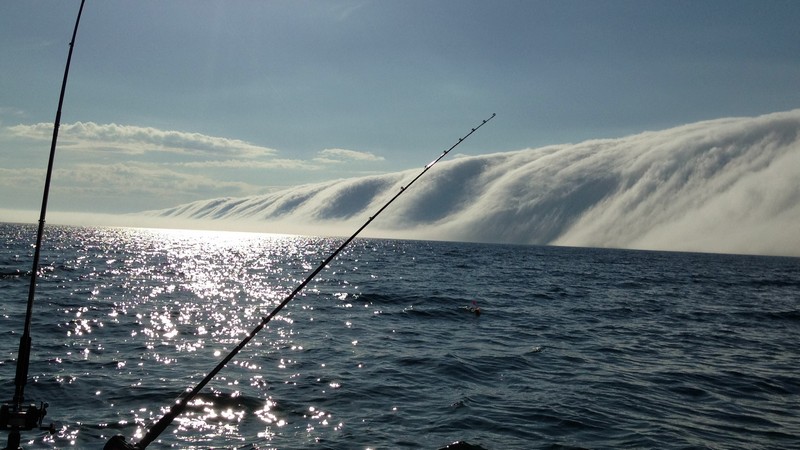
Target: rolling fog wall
727,185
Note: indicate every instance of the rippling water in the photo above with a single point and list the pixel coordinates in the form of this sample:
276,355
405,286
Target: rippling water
575,348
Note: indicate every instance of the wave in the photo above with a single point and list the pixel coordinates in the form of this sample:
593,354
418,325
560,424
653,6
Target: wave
725,186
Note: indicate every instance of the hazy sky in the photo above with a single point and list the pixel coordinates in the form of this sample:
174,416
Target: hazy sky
175,101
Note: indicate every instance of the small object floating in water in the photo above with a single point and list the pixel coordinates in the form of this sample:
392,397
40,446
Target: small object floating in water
536,349
475,309
461,445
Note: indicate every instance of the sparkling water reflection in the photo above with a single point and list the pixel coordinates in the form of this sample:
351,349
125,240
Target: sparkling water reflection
576,347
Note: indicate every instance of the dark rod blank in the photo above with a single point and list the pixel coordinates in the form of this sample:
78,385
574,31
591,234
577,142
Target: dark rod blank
180,403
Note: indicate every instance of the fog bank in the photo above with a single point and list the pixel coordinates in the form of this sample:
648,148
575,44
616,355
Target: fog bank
729,185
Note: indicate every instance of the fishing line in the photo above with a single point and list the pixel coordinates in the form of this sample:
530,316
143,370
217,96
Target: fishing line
17,416
118,442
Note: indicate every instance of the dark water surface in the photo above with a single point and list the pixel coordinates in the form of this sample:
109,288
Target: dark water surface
575,348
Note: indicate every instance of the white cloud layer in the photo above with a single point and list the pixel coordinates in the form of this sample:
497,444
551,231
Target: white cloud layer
337,155
130,139
124,168
728,185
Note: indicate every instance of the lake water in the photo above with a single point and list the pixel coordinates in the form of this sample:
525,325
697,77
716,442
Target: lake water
574,348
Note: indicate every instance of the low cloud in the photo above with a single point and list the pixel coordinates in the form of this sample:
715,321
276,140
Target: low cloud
144,179
729,185
270,164
135,140
6,111
107,166
10,178
339,155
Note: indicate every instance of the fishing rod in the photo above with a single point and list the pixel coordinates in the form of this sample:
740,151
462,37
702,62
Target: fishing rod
119,443
16,416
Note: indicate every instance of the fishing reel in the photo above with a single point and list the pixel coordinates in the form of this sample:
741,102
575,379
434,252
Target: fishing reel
22,417
15,418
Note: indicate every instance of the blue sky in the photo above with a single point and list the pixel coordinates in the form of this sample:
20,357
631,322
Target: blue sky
170,102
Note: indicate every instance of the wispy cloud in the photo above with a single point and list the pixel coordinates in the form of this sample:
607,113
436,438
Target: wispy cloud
340,155
120,187
146,180
122,165
14,178
199,151
135,140
270,164
344,11
12,112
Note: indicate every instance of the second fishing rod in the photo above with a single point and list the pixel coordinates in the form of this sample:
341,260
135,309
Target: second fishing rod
118,442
